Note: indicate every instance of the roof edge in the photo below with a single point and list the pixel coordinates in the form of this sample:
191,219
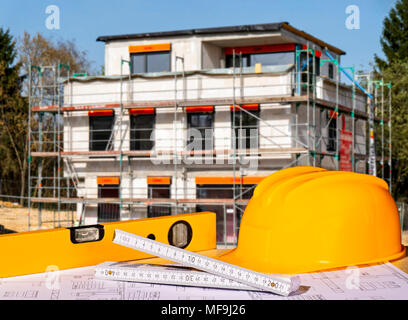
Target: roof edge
231,29
308,36
200,31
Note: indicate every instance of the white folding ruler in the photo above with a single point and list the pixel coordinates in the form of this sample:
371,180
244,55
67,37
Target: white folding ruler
128,271
261,281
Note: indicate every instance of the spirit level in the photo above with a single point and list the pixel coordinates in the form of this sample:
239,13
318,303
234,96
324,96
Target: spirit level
276,284
34,251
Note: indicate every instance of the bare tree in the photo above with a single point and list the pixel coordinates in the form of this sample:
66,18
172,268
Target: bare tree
31,50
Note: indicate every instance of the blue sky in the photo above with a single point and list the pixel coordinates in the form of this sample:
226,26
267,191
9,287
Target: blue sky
84,20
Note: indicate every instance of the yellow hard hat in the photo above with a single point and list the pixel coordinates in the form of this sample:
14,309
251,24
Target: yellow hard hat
307,219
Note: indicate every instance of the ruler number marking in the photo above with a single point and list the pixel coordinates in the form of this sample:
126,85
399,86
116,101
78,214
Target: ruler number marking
236,275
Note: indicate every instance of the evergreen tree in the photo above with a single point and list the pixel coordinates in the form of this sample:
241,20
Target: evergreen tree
394,70
394,40
13,109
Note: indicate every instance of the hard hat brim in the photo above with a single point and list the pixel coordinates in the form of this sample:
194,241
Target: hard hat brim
231,257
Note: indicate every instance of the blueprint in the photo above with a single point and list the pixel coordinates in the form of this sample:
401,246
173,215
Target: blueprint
379,282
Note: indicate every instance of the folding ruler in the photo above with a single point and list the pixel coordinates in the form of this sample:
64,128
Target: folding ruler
220,272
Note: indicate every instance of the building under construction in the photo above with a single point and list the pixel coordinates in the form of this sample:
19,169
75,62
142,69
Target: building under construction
191,120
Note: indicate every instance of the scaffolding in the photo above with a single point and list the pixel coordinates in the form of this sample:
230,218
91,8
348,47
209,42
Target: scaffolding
312,113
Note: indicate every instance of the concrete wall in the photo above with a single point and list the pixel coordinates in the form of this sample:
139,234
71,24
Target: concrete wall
212,56
195,86
187,47
326,90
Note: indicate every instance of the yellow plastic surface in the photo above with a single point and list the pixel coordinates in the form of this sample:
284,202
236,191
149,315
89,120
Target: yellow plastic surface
35,251
306,219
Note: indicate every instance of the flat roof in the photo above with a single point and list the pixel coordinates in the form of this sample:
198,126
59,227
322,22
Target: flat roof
218,30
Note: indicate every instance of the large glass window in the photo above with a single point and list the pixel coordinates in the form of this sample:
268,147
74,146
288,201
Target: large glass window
204,123
266,59
108,211
141,128
158,191
100,131
246,128
146,62
273,58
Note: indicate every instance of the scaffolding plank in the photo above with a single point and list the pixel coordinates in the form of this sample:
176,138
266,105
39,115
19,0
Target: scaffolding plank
149,154
205,102
143,201
171,103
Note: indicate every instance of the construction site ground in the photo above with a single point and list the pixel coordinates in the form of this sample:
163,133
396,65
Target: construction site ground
14,218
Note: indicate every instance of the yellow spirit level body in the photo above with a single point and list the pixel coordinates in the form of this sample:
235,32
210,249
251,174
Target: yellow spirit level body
65,248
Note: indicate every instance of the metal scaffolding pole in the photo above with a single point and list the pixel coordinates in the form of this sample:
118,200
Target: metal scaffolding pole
353,123
175,161
308,102
40,145
29,148
338,131
314,83
382,129
390,132
121,131
234,140
372,154
59,149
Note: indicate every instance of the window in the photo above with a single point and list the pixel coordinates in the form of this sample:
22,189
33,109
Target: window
268,55
108,211
100,130
244,191
229,61
308,65
141,128
145,62
331,71
204,123
332,133
266,59
158,188
224,213
273,58
158,191
246,128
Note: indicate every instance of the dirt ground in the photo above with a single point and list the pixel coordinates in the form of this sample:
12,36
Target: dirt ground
14,218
